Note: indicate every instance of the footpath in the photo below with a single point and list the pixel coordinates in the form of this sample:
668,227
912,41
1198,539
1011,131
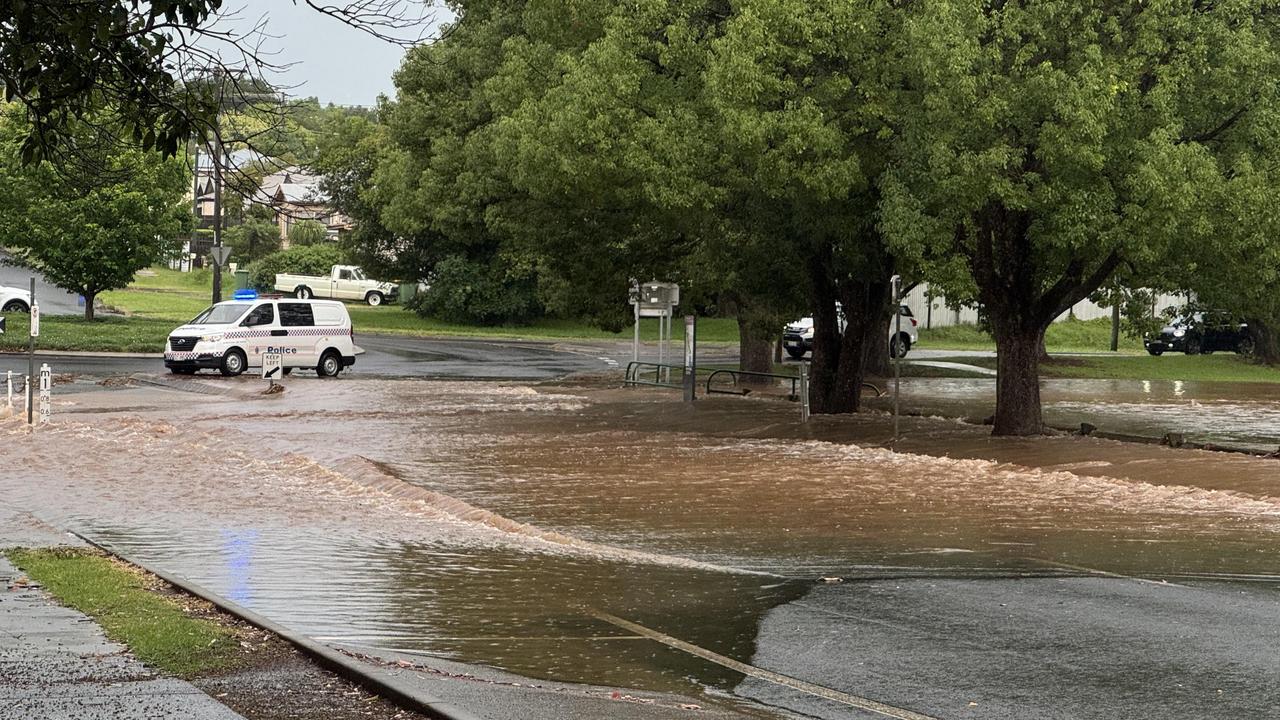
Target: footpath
57,663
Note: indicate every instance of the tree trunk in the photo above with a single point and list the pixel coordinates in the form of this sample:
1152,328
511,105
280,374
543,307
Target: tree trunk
88,304
755,345
1018,351
879,363
826,337
1266,341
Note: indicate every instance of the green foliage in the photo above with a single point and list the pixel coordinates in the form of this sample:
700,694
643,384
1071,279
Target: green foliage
65,62
92,234
252,240
308,232
156,629
463,291
305,260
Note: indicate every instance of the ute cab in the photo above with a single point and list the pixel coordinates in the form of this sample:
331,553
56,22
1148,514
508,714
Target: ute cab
233,336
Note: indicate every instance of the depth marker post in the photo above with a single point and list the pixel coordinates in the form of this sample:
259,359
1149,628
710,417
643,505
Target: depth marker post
31,353
690,357
896,285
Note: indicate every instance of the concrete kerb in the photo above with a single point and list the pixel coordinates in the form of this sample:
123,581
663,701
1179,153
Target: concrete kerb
85,354
392,688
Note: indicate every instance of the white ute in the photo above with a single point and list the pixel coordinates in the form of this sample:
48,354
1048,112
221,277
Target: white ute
233,336
345,282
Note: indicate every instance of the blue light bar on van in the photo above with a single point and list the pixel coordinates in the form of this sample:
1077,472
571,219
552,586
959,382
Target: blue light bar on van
245,294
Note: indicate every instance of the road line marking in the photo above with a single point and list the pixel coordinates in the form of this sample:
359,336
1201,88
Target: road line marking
1104,573
762,674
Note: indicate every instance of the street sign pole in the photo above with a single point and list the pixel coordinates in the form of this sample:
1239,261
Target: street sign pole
31,351
896,289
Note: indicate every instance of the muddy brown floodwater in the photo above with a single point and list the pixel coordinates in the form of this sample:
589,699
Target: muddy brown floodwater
487,522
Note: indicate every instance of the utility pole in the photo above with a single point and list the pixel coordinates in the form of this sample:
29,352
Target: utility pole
217,218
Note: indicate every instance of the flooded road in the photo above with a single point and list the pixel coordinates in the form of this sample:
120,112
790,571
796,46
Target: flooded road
493,523
1234,413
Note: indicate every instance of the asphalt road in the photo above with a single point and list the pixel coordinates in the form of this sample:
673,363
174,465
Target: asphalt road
387,356
1086,647
52,300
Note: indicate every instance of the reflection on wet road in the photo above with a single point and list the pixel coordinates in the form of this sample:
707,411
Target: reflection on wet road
489,522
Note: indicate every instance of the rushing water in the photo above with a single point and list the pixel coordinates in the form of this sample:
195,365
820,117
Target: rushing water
486,522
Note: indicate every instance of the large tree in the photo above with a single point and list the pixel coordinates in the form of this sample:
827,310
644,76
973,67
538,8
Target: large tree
94,233
1047,143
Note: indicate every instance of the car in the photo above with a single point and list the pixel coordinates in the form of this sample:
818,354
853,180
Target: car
232,336
344,282
1202,332
14,299
797,338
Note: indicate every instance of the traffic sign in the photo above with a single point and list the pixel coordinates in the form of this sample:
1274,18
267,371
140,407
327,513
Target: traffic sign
272,366
220,254
1,324
35,319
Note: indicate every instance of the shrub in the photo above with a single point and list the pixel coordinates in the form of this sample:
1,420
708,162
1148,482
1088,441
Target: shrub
468,292
311,260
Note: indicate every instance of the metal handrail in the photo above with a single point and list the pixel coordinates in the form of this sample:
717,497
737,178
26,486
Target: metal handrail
632,376
748,373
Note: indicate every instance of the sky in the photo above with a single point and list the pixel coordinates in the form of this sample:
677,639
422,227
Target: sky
330,60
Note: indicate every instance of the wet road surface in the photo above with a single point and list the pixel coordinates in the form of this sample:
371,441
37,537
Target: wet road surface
494,523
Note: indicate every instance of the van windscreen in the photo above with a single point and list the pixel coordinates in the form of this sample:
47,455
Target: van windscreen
221,314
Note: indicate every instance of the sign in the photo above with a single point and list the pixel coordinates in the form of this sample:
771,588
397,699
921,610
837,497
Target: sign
272,365
1,324
46,385
35,319
220,254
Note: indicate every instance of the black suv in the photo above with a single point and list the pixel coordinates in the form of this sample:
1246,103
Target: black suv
1202,333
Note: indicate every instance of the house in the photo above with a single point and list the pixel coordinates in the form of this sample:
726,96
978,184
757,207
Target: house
295,195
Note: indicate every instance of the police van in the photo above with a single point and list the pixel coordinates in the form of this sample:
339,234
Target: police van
233,336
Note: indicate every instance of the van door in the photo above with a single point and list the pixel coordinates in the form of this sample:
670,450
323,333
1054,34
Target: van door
261,320
301,336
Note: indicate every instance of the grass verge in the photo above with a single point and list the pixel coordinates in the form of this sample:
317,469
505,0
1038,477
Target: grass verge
160,631
1068,336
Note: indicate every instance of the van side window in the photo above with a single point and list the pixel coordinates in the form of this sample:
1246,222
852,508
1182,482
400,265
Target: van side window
296,315
262,315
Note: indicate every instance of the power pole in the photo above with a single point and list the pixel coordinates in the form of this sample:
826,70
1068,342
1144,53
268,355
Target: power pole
217,216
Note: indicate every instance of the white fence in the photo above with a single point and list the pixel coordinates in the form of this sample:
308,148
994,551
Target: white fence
933,312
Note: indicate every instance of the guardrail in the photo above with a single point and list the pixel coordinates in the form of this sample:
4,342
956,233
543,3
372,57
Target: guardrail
736,374
660,378
794,379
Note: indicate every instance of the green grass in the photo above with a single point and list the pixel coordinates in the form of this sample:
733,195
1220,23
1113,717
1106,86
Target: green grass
135,334
1062,337
154,627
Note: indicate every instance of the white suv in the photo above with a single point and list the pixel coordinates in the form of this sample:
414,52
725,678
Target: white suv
233,336
797,338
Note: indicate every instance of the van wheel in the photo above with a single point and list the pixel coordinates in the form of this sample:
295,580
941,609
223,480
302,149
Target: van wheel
233,363
16,306
795,353
286,371
330,364
302,292
374,299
